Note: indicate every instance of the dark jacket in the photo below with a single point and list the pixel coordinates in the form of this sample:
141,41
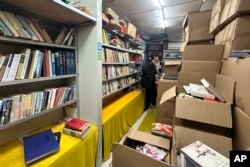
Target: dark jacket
148,75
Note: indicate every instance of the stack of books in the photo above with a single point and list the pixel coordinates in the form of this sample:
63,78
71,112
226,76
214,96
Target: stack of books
76,127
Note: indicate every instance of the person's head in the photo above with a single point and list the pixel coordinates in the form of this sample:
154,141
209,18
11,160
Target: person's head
154,57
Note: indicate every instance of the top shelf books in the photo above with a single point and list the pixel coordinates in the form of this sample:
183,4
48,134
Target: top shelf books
53,10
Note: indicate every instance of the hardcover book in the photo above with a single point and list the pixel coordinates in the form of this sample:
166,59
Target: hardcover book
76,123
39,145
75,133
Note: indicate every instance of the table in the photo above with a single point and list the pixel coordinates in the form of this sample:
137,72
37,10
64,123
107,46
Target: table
73,151
118,117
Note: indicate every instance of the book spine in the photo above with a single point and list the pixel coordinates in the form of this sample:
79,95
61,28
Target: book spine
35,54
53,64
25,63
26,26
8,24
20,67
73,133
6,72
3,68
5,28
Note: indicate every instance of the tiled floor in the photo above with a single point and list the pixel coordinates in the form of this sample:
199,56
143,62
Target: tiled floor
135,126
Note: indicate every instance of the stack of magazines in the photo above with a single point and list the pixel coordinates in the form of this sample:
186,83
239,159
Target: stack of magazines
76,127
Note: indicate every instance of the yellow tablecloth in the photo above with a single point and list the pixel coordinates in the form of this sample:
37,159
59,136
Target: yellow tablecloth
74,152
118,117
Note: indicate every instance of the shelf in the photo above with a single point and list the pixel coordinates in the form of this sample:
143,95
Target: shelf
53,9
120,89
106,80
120,49
115,63
41,79
8,125
28,42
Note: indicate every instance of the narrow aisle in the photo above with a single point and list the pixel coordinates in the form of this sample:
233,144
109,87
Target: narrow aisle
135,126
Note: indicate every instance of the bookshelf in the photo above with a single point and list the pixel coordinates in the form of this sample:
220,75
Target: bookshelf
121,62
52,16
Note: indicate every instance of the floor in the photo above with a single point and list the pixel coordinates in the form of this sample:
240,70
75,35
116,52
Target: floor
135,126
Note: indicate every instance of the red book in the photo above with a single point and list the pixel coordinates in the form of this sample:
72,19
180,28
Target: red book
77,124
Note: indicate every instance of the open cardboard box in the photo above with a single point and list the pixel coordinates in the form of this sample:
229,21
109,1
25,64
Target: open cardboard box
184,136
207,112
126,156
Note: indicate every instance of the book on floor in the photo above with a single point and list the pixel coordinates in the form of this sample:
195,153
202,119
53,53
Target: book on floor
39,145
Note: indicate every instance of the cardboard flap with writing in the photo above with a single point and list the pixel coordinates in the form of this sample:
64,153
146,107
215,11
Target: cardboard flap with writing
184,136
213,113
226,86
149,138
123,156
168,94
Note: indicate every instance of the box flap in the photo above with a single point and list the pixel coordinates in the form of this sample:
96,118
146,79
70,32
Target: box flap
123,156
149,138
241,135
194,77
168,94
214,113
226,86
184,136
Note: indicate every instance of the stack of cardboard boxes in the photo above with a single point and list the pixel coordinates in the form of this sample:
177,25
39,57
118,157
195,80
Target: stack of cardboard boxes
233,31
207,121
111,18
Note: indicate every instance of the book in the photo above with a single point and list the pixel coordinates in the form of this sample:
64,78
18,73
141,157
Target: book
5,29
13,69
7,69
60,35
8,24
26,27
67,36
32,70
26,52
39,145
212,90
79,134
198,90
20,66
33,28
76,123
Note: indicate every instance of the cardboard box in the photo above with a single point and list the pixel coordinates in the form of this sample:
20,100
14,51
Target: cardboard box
203,52
166,110
196,27
200,66
199,154
215,25
239,71
184,44
206,112
171,67
126,156
130,30
164,120
235,36
111,14
240,134
184,136
163,85
232,9
105,19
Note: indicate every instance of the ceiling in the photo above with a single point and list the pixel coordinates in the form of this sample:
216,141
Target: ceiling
148,17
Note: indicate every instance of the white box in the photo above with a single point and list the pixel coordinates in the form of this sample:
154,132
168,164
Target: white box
198,154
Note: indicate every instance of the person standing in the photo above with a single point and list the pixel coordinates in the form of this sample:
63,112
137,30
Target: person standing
148,80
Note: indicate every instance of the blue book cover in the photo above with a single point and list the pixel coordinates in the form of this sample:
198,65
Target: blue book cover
39,145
